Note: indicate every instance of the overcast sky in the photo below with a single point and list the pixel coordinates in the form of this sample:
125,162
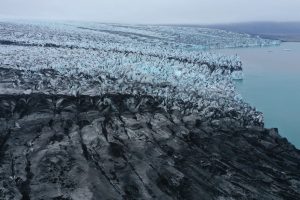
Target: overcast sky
153,11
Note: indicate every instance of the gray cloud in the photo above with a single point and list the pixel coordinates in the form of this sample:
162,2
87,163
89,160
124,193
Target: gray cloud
154,11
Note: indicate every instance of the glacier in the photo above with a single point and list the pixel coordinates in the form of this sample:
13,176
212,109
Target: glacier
116,111
167,62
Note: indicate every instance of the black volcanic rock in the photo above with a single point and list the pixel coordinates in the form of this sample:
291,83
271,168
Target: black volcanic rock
128,147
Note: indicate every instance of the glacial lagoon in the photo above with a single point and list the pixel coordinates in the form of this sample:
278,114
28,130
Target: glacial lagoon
272,85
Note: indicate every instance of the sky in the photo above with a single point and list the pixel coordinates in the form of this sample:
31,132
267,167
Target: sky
153,11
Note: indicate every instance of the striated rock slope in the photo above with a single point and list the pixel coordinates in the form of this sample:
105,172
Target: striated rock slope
129,147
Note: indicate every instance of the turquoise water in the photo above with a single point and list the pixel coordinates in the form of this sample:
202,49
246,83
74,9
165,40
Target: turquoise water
272,85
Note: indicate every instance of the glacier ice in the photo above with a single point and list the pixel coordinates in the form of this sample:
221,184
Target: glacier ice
161,61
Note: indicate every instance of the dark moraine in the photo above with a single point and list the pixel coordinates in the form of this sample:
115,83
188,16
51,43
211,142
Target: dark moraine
65,147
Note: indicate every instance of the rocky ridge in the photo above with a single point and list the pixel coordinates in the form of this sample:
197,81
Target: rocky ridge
128,147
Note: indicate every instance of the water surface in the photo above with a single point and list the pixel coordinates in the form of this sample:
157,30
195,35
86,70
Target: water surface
272,85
